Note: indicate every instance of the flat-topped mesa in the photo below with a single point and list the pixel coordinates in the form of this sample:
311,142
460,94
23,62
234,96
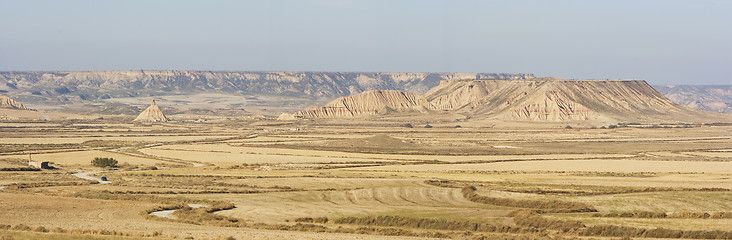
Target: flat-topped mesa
558,100
7,102
152,114
371,102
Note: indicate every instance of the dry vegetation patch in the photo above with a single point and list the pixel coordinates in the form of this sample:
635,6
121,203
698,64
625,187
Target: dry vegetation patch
373,179
620,166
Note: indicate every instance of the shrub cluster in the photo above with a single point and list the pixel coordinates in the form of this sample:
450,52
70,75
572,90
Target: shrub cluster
542,205
204,216
104,162
312,220
163,208
443,183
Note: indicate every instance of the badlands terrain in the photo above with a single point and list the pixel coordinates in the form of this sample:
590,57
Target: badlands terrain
206,93
511,158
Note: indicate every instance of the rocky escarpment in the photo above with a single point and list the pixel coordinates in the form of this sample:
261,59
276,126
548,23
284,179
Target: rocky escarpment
539,99
152,114
7,102
715,98
368,103
69,87
549,99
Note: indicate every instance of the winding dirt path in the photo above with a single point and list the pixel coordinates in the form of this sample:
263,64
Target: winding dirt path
87,176
169,213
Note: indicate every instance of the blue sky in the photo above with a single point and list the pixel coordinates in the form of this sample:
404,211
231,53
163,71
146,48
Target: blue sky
662,41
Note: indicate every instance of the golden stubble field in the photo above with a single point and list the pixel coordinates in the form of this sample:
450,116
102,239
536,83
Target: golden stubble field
365,180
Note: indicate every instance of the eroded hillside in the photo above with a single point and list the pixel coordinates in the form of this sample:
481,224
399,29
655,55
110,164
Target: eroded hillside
7,102
368,103
538,99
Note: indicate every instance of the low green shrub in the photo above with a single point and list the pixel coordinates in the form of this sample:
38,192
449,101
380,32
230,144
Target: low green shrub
104,162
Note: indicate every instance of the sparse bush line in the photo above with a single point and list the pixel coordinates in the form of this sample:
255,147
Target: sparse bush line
16,186
545,206
41,229
644,214
533,219
429,223
19,169
579,190
387,228
621,231
163,208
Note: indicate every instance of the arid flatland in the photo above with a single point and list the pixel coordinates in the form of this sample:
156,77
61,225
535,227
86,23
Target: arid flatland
355,178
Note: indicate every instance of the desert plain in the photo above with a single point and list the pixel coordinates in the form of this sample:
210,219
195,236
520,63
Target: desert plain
365,179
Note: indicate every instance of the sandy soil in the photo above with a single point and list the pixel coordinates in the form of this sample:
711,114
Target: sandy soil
221,153
125,216
623,166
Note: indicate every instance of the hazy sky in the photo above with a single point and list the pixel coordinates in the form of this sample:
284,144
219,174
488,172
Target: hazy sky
662,41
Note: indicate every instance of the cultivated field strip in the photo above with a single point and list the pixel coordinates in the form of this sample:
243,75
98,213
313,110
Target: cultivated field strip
221,153
579,165
345,203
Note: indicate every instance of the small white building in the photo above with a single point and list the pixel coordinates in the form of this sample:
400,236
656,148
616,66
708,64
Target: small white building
41,165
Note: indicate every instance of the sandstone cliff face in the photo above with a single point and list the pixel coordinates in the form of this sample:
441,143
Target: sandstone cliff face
152,114
368,103
715,98
7,102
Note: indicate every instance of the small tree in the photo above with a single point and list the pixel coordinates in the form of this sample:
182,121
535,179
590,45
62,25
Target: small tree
427,126
407,125
104,162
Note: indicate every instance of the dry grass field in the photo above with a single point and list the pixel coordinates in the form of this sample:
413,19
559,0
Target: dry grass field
357,179
598,165
84,158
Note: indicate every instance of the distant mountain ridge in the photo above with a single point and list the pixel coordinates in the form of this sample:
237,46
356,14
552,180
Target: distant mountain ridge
68,87
715,98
